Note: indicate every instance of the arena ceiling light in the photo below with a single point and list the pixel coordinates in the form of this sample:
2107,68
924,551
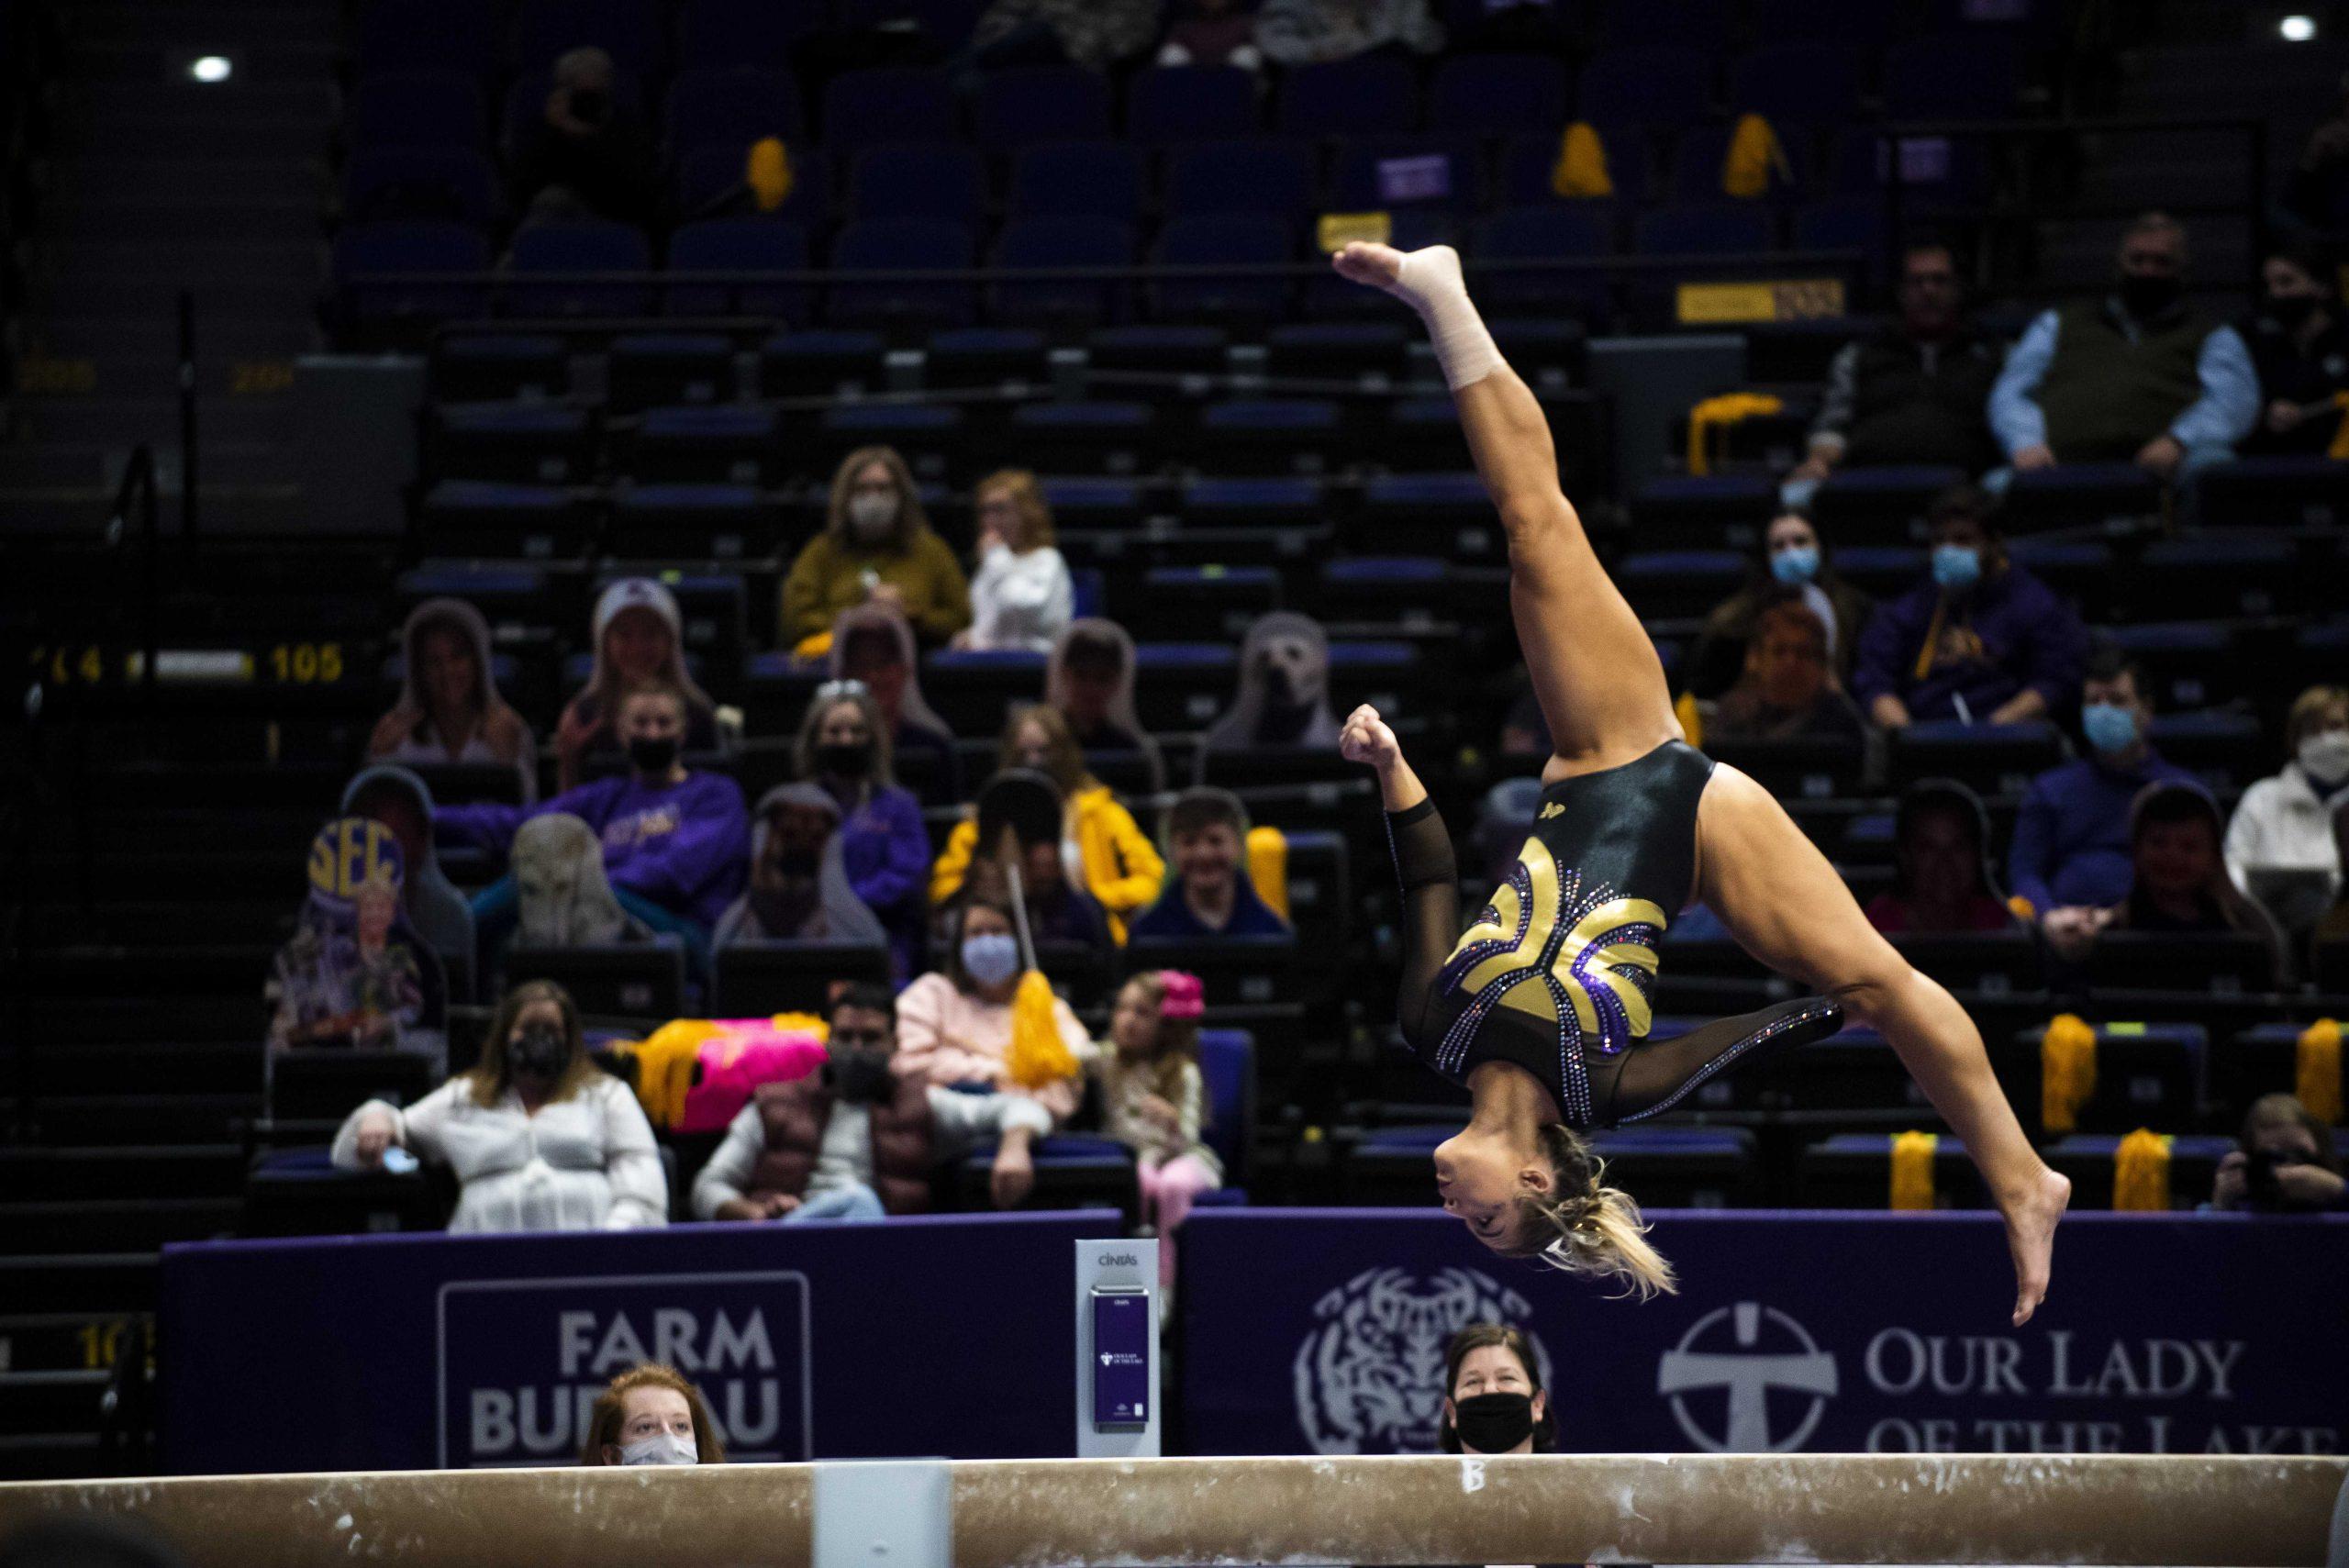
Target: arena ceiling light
2297,29
209,69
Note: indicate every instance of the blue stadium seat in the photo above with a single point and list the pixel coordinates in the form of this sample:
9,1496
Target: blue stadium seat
2086,1158
480,367
1863,22
709,183
1497,94
978,684
1256,176
2185,664
1026,104
1179,601
1153,347
1405,513
1663,86
1077,179
1062,242
621,980
1705,229
878,244
2079,495
2226,751
533,443
1951,75
418,109
1072,1172
1228,1074
1990,759
1862,504
1846,223
1854,1170
1699,508
730,443
1086,502
410,247
1676,583
500,591
1191,103
1337,348
795,364
649,369
925,428
1244,239
631,31
726,34
704,522
2262,1060
582,246
2218,575
1277,435
738,245
1400,172
1085,436
1809,83
422,181
1642,23
1368,95
2080,570
479,518
1253,502
1558,231
884,104
944,183
1383,587
1879,571
427,35
2274,491
1527,163
731,109
1936,174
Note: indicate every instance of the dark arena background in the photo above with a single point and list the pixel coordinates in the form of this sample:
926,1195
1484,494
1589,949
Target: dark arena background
573,571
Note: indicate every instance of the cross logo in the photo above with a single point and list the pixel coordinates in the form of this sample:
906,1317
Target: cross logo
1747,1372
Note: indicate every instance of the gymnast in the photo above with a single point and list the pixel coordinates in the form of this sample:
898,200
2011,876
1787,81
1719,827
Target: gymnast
1539,1008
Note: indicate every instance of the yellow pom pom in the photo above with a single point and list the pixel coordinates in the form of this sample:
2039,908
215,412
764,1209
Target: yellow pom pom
1037,1055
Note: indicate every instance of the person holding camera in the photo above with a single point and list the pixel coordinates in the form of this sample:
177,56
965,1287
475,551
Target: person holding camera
588,154
540,1137
2283,1162
859,1139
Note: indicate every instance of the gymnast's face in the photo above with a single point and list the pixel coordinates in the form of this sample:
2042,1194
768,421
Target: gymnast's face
1480,1178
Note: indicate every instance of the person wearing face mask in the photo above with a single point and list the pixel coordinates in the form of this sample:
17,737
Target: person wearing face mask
1793,559
650,1414
676,843
1980,639
799,889
2070,848
2299,345
640,641
1493,1400
861,1137
540,1137
844,749
2139,376
874,647
954,1024
2279,843
878,548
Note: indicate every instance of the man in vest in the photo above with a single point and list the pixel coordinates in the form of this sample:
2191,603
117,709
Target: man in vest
855,1141
1911,392
2139,376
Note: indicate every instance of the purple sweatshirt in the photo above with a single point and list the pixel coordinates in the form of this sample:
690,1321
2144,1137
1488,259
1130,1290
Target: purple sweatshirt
2011,631
885,851
685,847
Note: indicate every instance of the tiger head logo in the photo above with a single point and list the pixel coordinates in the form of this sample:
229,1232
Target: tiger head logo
1369,1379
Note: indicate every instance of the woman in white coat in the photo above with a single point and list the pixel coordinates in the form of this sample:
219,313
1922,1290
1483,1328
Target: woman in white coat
1022,596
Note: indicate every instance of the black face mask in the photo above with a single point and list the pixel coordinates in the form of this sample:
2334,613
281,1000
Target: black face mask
844,761
652,755
861,1077
539,1052
1494,1423
2146,295
2288,310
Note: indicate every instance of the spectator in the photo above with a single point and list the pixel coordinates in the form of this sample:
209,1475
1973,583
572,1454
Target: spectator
2279,845
874,647
355,972
399,800
1493,1398
844,748
1981,641
1914,392
561,896
1284,689
1090,679
877,549
1212,896
1788,691
2283,1160
2141,376
859,1139
588,154
1942,884
2299,345
954,1024
1096,34
799,889
2320,187
676,842
540,1137
450,710
1058,910
650,1414
640,641
1120,867
1022,597
2071,840
1211,32
2178,880
1312,32
1153,1099
1793,559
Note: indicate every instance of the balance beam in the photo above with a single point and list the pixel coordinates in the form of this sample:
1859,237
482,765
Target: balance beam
1728,1508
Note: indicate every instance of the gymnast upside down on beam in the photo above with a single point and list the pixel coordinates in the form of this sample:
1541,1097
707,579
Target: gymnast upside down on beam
1541,1006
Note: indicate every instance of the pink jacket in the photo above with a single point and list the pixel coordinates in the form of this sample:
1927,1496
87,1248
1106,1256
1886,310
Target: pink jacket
947,1036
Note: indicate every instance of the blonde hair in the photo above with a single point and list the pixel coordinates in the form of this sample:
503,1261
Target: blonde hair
1588,1228
604,1424
491,1075
1027,497
1066,758
2309,709
1174,1049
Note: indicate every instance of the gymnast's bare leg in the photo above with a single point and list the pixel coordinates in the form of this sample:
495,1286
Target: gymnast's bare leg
1603,694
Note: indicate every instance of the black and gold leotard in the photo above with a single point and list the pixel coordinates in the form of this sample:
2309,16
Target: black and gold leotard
1554,974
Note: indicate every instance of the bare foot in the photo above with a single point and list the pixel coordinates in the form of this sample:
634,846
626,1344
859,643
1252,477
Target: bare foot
1365,261
2030,1237
1414,278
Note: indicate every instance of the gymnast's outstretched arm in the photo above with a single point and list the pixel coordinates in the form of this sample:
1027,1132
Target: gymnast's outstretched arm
1595,673
1424,862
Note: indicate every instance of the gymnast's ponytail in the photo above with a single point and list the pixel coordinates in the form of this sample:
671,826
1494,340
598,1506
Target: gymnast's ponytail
1590,1229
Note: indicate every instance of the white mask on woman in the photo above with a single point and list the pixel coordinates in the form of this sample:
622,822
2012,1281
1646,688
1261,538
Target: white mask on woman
2324,757
661,1448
